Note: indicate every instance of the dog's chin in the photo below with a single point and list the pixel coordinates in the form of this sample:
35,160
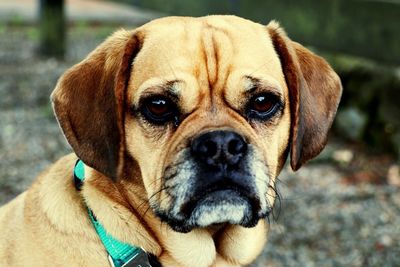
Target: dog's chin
225,206
219,207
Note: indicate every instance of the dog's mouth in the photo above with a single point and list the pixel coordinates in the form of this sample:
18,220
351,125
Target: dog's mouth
220,206
198,195
227,204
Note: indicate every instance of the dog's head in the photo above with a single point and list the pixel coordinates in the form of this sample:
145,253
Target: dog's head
203,110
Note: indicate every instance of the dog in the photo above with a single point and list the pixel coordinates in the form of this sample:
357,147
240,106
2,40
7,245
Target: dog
180,127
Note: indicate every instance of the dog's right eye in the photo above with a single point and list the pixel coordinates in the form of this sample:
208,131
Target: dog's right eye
159,109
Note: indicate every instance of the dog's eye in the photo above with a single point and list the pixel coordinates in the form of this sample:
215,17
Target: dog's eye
263,106
159,109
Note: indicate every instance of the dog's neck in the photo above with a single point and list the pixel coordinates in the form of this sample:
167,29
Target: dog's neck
132,221
116,212
120,253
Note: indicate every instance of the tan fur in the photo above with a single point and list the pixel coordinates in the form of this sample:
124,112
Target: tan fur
208,60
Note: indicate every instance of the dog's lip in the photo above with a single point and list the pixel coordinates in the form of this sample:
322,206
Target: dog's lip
221,200
219,188
240,198
216,197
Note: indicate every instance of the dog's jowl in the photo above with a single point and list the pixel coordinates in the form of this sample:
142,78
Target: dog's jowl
179,129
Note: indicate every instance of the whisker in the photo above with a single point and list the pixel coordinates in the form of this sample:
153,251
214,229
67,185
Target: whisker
278,179
269,223
155,180
278,197
143,214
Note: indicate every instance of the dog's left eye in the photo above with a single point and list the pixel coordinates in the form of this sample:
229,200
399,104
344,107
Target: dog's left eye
263,106
159,109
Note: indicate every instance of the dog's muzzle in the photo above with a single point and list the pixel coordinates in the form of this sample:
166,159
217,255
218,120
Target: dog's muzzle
216,182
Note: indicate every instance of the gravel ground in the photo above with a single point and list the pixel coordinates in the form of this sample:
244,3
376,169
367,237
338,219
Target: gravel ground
322,221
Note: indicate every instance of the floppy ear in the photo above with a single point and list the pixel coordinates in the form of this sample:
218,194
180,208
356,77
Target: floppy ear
314,95
89,103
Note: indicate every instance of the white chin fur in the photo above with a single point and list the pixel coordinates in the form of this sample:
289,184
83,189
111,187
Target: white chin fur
223,212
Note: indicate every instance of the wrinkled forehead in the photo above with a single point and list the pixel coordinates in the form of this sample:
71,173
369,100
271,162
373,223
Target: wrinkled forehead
205,53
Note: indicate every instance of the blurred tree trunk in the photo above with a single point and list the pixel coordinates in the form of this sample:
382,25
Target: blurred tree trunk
52,28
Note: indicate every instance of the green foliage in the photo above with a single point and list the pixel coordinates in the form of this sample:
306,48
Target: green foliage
47,111
16,20
3,28
33,34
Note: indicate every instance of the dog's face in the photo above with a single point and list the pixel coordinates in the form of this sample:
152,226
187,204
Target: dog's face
205,109
210,121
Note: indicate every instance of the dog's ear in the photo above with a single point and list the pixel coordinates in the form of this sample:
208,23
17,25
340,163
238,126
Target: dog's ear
89,102
314,95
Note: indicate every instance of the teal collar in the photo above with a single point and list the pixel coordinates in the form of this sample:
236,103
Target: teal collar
120,254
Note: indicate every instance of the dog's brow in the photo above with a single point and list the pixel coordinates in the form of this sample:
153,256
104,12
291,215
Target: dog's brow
156,86
171,87
168,87
257,84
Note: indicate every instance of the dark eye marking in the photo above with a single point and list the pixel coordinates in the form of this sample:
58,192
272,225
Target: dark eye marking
159,109
263,106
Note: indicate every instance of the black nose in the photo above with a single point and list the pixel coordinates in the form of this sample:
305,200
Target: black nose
218,148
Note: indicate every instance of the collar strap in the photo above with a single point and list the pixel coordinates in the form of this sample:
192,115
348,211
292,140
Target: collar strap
120,254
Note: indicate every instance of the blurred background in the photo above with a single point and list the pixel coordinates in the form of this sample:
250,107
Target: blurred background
342,209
